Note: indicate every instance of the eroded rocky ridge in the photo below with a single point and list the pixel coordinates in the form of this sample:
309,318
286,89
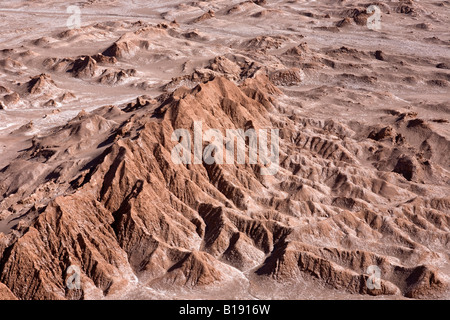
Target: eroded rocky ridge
363,175
132,215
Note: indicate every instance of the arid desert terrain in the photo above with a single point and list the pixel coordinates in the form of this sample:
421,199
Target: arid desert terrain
93,205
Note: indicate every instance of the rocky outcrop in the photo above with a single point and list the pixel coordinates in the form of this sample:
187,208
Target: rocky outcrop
40,83
84,67
206,16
